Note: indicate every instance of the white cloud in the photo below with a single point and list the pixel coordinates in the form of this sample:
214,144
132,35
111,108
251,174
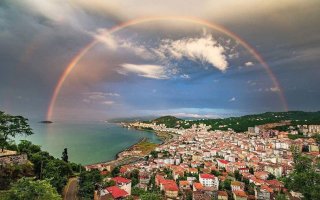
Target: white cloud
232,99
203,49
103,36
274,89
102,94
185,76
248,64
99,97
193,115
148,71
108,103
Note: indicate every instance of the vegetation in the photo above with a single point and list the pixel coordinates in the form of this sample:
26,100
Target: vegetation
11,126
51,174
145,147
65,155
305,178
241,124
27,188
169,121
88,181
11,173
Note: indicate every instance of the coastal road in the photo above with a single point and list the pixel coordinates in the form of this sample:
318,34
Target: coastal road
71,190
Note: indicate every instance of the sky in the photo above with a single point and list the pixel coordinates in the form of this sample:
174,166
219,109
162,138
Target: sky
158,67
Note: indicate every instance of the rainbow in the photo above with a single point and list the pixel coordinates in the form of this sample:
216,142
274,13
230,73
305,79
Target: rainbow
137,21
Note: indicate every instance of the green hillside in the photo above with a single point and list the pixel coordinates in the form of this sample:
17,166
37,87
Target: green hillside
169,121
240,124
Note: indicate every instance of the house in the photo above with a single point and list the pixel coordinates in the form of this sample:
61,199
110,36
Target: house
114,192
170,189
222,195
209,180
236,185
263,192
239,195
261,175
276,170
123,183
201,195
197,186
184,185
222,163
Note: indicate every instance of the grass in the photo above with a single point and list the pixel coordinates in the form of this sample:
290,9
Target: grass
145,147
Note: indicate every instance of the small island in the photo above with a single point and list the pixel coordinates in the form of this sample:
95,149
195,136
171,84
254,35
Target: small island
46,122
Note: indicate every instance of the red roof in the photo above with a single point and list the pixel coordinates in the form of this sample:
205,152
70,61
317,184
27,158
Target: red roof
198,186
117,192
224,161
207,176
170,185
120,179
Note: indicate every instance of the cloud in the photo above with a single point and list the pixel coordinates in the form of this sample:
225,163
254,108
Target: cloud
148,71
194,115
104,36
102,94
275,89
248,64
232,99
108,103
99,97
185,76
204,49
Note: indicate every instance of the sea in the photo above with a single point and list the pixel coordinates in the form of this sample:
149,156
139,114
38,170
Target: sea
87,142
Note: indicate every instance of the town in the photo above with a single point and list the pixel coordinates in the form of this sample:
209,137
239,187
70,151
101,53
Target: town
203,164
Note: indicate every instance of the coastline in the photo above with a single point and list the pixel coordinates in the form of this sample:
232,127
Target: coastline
122,157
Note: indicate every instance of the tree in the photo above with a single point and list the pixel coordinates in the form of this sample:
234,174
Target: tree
150,195
115,171
65,155
237,175
57,171
281,197
27,147
87,183
304,178
27,188
11,126
251,171
271,176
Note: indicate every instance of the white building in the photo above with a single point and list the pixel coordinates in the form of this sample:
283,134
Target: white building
209,180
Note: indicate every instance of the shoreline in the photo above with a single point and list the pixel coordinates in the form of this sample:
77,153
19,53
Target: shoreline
165,137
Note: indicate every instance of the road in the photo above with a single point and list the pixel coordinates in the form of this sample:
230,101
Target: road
71,190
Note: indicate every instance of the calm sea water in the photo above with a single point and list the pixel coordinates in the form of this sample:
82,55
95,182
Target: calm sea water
87,143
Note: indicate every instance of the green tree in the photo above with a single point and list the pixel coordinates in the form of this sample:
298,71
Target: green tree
251,171
150,195
115,171
281,197
227,184
65,155
27,188
271,176
11,126
87,183
27,147
304,178
57,171
237,175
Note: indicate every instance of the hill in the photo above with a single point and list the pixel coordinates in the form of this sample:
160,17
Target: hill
240,124
169,121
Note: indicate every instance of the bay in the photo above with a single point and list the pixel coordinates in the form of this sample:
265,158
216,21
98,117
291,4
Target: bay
87,143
